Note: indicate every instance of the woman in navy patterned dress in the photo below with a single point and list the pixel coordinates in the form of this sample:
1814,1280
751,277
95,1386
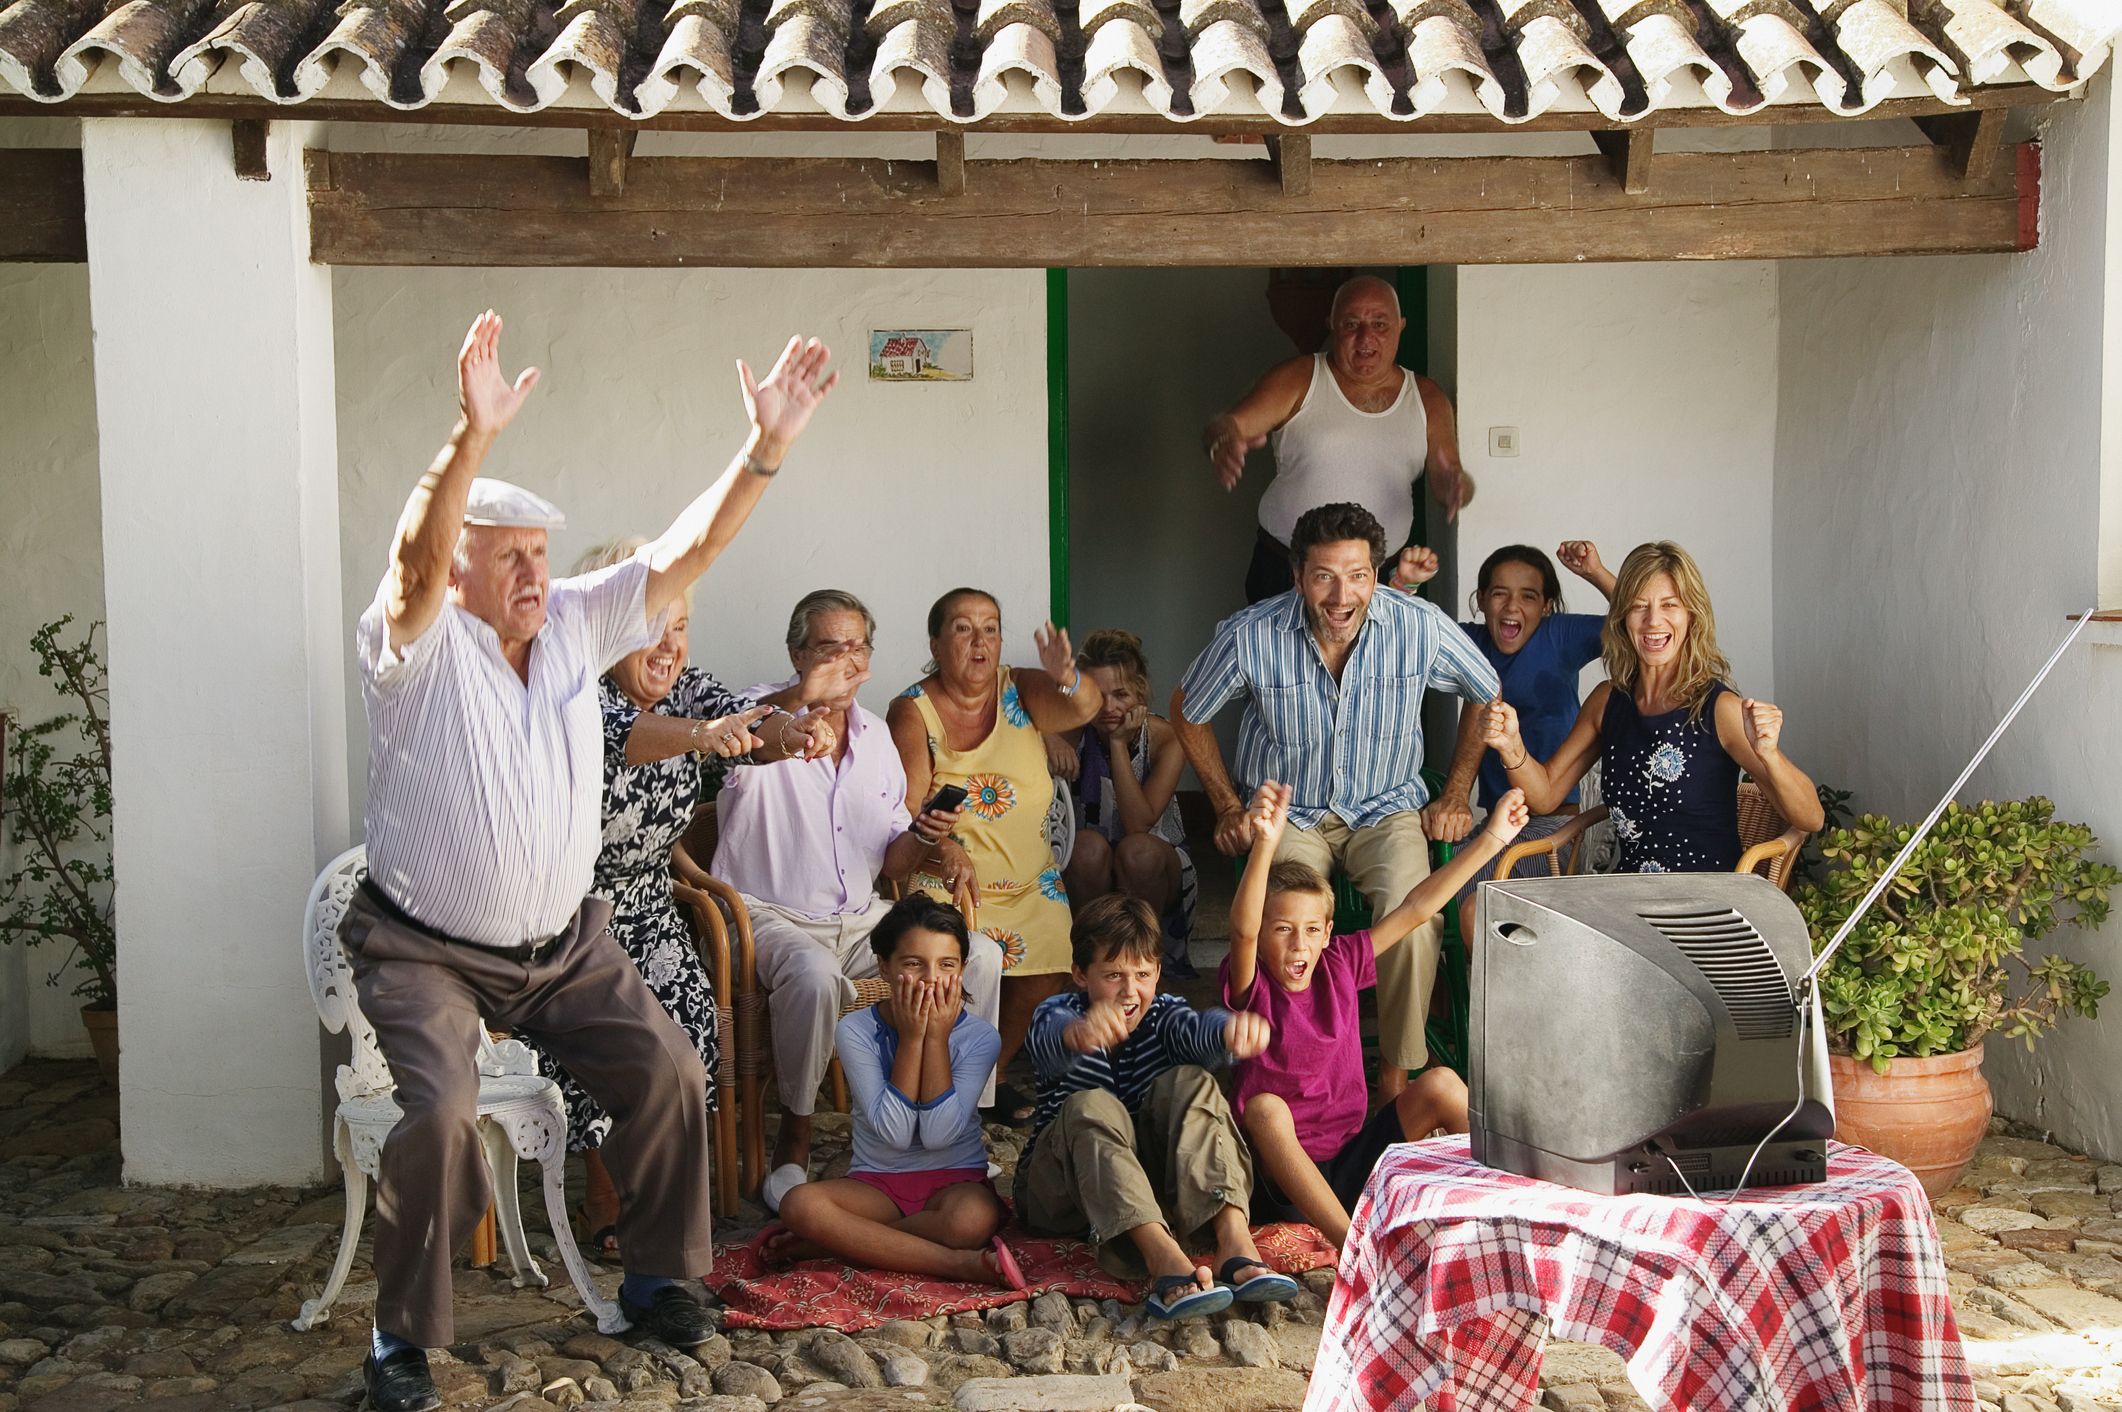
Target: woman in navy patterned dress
670,732
1673,734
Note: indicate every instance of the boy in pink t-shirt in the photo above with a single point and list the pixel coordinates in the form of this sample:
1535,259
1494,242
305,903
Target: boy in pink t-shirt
1303,1102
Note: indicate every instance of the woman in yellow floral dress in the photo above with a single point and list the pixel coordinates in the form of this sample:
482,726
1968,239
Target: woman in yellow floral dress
976,723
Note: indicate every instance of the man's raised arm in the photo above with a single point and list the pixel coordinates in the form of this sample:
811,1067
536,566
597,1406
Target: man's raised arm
780,408
434,514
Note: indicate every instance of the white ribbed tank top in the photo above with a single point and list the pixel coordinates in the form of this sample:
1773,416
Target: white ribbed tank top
1330,451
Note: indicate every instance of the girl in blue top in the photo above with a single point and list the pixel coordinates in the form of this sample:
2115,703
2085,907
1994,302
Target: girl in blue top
918,1197
1537,651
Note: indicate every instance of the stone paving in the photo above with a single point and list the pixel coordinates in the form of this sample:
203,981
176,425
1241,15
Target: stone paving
179,1300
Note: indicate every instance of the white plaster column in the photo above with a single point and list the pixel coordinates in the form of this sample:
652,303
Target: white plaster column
215,420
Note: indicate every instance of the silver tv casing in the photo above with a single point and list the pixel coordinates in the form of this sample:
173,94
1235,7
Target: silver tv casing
1638,1033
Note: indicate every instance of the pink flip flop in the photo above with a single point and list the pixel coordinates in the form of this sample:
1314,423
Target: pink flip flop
1007,1264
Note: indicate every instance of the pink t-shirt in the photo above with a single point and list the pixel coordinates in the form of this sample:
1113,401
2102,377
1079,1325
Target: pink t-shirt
1314,1061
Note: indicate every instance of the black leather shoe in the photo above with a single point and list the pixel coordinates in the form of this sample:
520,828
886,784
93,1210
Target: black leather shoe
400,1383
672,1316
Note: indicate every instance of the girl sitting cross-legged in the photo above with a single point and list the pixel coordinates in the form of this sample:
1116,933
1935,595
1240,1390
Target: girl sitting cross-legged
918,1198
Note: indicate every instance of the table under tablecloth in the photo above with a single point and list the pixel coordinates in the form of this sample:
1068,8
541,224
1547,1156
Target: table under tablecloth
1794,1298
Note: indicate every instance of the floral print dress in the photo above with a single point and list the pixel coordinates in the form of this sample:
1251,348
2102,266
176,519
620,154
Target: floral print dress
1007,793
1671,790
646,810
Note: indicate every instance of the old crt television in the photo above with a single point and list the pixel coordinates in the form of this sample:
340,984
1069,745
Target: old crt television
1638,1033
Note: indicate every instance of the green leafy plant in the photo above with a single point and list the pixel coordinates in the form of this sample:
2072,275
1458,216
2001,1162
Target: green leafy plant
57,811
1925,971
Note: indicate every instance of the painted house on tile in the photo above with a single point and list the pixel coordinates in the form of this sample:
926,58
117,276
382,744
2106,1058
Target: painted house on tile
1673,247
904,356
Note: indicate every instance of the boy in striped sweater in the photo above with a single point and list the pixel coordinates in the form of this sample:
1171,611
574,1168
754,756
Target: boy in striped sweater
1133,1138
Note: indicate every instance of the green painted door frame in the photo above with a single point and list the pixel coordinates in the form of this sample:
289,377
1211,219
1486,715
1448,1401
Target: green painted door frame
1057,444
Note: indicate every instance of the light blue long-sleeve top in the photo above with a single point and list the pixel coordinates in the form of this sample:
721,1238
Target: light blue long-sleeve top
892,1132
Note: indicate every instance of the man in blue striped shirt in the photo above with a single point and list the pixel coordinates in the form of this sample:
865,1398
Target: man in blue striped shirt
1332,673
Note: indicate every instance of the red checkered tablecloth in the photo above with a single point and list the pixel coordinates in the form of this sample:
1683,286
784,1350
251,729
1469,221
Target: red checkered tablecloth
1795,1298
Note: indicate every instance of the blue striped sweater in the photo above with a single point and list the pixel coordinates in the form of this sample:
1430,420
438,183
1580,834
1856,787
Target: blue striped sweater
1171,1034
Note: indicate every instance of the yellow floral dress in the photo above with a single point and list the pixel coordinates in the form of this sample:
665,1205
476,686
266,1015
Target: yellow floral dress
1007,793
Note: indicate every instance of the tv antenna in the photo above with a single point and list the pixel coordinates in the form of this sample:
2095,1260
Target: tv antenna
1849,923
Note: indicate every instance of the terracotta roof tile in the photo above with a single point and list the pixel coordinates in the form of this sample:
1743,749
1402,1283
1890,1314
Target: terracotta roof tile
1292,60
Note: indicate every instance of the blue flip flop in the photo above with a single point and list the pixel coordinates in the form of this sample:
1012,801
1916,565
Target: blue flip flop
1201,1301
1260,1289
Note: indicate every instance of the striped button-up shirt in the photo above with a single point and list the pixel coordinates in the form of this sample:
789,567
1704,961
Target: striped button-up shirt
1352,748
1170,1034
484,792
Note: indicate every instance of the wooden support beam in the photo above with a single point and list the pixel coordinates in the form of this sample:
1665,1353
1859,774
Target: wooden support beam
41,211
1627,152
610,149
950,161
378,208
1969,142
1292,155
246,138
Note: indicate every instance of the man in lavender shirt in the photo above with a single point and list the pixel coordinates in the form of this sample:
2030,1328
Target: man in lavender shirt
804,842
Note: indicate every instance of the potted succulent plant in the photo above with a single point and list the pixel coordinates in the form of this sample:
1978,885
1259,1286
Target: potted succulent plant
1937,966
57,809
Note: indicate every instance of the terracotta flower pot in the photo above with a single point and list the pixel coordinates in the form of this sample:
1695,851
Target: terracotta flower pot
102,1027
1927,1114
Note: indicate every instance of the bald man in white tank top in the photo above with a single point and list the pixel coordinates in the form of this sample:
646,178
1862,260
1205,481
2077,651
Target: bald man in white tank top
1348,424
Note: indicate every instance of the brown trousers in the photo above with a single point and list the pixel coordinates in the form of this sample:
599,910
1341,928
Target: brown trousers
1099,1171
587,1005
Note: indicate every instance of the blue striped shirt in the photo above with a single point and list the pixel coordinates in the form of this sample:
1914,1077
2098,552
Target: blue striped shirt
1171,1034
1352,748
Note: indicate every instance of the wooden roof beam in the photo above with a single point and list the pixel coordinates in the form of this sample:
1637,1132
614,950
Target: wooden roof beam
1291,152
610,149
950,161
382,208
1969,142
43,219
1627,151
246,137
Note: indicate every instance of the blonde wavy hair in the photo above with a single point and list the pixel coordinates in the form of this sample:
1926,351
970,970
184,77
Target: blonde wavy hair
1701,663
1121,650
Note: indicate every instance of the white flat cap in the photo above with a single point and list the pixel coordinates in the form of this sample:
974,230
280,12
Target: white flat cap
496,502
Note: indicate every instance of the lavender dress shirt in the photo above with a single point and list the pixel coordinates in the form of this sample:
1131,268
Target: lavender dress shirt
809,836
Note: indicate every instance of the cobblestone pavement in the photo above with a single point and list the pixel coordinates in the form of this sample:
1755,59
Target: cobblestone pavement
179,1300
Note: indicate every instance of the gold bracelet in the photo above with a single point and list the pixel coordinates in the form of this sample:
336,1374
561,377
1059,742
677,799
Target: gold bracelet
1520,765
699,750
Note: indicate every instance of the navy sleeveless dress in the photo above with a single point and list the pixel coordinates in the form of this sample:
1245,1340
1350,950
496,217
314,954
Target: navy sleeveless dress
1670,787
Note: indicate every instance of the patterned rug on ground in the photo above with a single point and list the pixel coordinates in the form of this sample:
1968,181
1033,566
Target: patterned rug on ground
830,1294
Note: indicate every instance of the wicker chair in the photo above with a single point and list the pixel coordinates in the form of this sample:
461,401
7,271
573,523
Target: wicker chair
719,913
1770,842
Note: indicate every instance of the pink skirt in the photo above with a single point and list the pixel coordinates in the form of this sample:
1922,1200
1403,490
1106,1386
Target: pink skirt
912,1190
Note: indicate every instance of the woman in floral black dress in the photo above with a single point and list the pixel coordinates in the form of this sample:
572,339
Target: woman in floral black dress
1673,734
670,731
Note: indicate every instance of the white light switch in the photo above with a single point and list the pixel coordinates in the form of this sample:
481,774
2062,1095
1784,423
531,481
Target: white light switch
1502,441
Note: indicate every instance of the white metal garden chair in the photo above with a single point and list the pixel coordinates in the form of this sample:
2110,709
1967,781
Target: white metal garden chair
521,1115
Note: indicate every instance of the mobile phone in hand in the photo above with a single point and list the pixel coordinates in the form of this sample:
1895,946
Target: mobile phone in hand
950,797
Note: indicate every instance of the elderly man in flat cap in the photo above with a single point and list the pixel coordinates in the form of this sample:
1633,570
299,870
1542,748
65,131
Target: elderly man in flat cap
485,768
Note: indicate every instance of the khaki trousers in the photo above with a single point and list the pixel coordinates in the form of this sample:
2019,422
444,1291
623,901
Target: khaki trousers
1384,861
809,966
587,1005
1098,1171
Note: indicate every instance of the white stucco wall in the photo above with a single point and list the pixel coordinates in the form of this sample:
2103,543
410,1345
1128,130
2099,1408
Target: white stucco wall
1645,400
1937,504
897,492
51,564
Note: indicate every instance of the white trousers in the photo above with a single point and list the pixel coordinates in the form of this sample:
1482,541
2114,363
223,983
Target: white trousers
809,966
